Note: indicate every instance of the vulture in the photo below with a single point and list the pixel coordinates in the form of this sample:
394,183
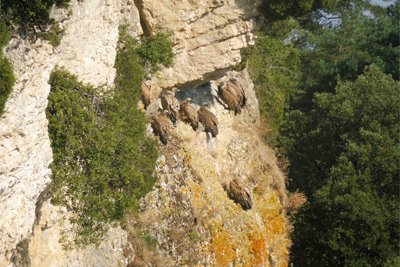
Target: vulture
145,94
240,193
230,97
189,114
235,85
161,126
170,103
208,119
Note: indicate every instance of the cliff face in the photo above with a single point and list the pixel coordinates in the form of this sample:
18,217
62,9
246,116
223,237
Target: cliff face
188,212
208,36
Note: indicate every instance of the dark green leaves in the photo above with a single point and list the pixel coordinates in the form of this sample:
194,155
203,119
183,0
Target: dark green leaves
7,78
344,155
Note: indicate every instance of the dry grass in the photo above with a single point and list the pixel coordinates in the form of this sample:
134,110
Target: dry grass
141,253
265,161
296,200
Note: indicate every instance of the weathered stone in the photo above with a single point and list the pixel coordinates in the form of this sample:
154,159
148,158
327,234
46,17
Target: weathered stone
87,50
208,36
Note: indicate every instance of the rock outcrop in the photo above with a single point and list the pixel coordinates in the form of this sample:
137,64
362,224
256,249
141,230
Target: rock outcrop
208,36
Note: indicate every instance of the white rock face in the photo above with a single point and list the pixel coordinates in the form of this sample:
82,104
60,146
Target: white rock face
87,50
208,36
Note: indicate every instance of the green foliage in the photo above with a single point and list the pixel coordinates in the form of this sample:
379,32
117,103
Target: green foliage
344,156
274,69
4,34
30,14
339,42
103,160
156,49
7,78
54,35
277,9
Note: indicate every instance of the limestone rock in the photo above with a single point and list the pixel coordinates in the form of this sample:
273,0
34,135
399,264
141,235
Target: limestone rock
208,36
88,50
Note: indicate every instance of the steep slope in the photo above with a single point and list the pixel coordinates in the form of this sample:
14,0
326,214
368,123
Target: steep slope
188,212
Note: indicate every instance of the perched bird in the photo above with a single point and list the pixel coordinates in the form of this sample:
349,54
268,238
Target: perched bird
240,193
241,94
170,103
229,96
161,126
189,114
208,119
145,94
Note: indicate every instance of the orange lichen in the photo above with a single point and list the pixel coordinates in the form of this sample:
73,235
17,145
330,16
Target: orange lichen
258,249
275,227
224,246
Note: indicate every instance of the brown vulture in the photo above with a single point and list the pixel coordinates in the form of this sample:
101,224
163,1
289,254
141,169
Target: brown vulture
229,96
161,126
170,103
145,89
208,119
189,114
240,193
239,91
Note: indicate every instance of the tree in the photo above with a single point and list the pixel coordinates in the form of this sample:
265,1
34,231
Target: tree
277,9
337,43
274,68
344,155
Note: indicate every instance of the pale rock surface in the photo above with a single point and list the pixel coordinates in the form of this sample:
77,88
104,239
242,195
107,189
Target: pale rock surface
208,36
44,248
87,50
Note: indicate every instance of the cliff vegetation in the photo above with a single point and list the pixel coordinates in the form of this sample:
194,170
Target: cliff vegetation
103,160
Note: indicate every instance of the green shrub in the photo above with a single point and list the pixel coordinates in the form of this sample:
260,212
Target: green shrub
30,14
7,78
103,160
156,49
54,35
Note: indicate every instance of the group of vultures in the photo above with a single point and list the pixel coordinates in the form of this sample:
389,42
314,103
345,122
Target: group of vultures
232,93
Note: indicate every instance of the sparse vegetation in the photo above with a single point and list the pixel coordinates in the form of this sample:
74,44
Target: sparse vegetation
54,34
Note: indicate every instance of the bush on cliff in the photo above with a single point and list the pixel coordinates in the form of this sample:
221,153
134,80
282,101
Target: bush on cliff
103,160
7,78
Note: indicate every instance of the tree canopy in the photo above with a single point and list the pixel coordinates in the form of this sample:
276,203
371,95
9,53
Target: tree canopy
341,128
344,156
